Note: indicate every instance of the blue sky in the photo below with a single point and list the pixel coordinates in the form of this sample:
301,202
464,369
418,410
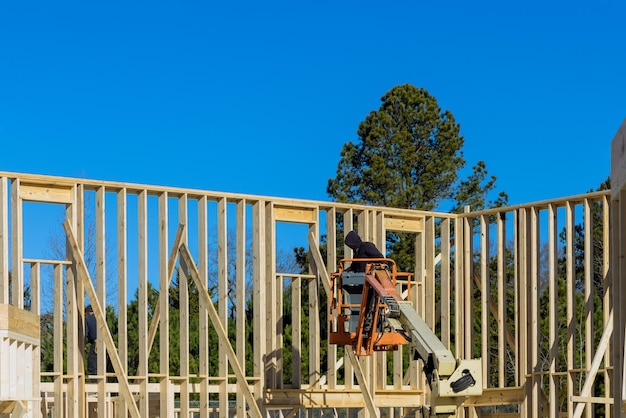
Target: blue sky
259,97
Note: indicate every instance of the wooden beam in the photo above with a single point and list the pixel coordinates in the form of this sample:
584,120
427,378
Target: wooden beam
203,361
570,231
122,284
319,262
595,365
295,214
360,378
58,342
592,399
103,329
331,263
221,332
166,397
403,223
18,320
339,398
73,312
183,289
142,298
315,314
171,265
17,242
240,274
101,260
222,299
269,311
4,240
497,396
624,377
618,161
260,280
51,194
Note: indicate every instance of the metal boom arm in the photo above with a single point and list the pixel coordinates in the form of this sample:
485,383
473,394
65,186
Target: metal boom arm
451,381
369,314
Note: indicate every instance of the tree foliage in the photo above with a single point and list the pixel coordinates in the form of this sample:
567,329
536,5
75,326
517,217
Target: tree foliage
409,155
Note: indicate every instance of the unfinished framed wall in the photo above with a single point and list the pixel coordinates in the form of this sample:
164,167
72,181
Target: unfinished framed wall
526,288
541,275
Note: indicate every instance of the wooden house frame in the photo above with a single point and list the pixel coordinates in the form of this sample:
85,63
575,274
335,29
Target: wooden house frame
490,283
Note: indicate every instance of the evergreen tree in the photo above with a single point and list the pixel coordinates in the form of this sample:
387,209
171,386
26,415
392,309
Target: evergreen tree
409,155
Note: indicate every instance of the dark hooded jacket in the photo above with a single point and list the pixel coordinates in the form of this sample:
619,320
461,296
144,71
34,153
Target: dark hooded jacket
91,333
362,249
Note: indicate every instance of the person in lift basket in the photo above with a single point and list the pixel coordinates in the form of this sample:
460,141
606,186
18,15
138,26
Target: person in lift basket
362,249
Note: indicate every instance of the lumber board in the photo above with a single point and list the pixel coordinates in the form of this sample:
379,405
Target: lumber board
58,341
13,407
501,321
331,263
532,220
595,365
403,223
122,284
482,282
570,229
100,271
240,274
618,161
17,242
19,321
4,240
50,194
142,296
591,399
184,351
166,400
272,350
319,261
360,378
171,267
552,294
296,214
296,329
222,295
339,398
497,396
258,293
315,329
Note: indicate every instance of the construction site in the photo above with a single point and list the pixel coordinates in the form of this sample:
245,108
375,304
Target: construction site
518,311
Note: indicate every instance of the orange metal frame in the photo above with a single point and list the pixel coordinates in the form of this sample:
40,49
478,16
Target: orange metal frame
379,281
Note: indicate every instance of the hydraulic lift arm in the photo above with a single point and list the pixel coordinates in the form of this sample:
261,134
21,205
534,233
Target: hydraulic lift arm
386,321
451,381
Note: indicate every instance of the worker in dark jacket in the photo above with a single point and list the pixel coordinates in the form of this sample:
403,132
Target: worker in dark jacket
362,249
91,333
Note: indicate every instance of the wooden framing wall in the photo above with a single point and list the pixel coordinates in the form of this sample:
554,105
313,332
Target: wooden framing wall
490,283
618,265
544,285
